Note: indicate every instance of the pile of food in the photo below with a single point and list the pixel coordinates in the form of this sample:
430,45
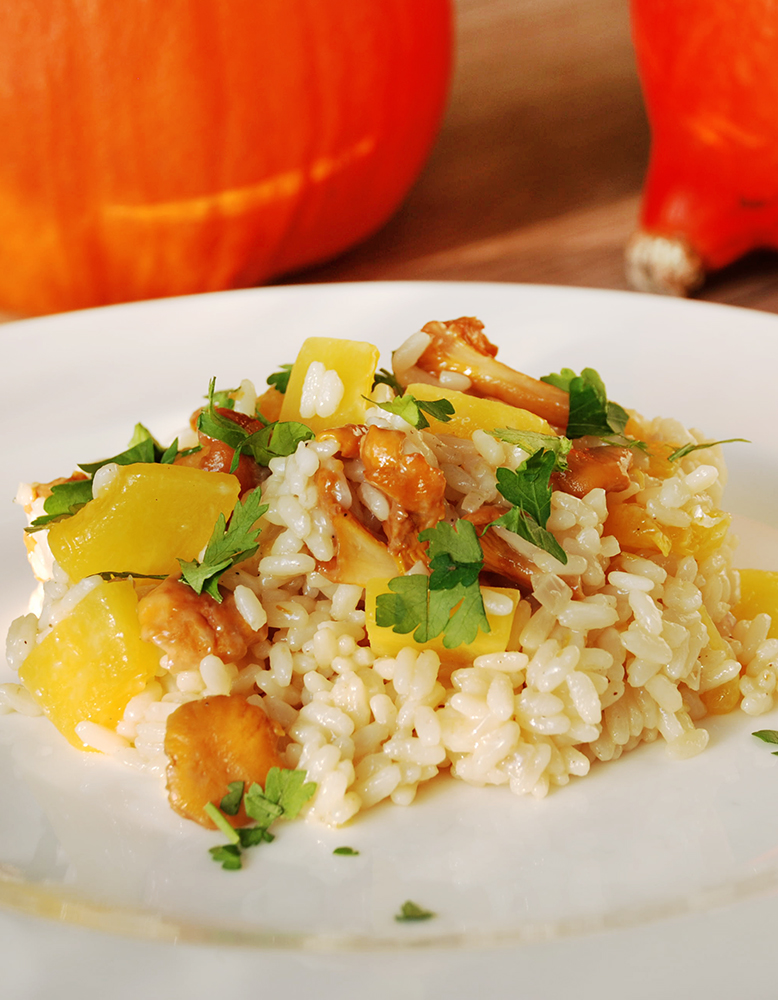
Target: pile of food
373,576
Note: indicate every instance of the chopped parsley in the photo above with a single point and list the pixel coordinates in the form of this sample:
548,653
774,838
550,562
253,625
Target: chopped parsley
273,440
413,410
591,413
384,377
227,546
280,380
528,489
346,852
532,441
284,795
64,501
447,602
230,804
687,449
411,911
768,736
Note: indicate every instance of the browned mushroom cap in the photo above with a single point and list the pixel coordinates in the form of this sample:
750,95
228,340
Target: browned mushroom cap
461,346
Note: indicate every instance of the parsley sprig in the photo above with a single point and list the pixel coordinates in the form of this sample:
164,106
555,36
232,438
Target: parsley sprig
280,379
528,489
273,440
410,912
227,546
768,736
285,793
449,601
414,411
591,412
687,449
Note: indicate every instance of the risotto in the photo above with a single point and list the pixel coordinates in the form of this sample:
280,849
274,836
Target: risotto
372,577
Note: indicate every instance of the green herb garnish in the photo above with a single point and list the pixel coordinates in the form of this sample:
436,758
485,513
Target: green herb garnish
227,546
687,449
528,488
449,601
221,823
590,410
284,795
346,852
410,911
384,377
280,379
532,441
227,855
413,410
64,501
230,804
768,736
271,441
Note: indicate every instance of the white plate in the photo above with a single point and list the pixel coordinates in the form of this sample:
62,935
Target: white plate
649,844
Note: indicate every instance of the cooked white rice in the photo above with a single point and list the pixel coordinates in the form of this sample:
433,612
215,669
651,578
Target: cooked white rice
610,651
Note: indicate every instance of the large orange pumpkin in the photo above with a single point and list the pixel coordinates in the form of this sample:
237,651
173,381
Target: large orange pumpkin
162,147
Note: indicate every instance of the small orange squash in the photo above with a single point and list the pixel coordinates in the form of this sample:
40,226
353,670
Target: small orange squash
709,72
164,148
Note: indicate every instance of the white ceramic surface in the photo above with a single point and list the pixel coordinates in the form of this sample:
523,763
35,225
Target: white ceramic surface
527,893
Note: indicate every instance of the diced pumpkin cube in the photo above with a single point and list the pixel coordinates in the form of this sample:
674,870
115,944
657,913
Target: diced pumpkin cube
386,642
758,595
353,364
91,663
146,518
472,413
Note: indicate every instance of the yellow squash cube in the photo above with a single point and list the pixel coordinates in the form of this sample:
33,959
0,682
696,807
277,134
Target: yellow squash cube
91,664
384,641
353,361
472,413
147,518
758,595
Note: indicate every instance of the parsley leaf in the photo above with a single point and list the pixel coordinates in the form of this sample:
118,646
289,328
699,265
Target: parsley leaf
528,488
280,379
590,410
228,856
687,449
287,789
384,377
411,911
285,793
347,852
271,441
224,398
226,547
64,501
768,736
532,441
413,410
142,448
449,601
230,804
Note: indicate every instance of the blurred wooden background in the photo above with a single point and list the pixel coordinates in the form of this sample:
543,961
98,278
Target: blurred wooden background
536,173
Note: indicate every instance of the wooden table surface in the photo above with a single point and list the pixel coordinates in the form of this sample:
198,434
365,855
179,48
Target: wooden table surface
536,172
